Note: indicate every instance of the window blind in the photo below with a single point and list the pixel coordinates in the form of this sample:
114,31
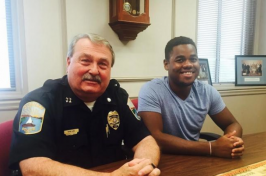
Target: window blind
8,80
225,29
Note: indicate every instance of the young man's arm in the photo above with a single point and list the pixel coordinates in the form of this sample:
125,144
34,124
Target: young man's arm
226,121
177,145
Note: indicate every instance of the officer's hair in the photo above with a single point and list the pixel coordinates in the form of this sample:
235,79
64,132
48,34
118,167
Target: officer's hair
175,42
94,38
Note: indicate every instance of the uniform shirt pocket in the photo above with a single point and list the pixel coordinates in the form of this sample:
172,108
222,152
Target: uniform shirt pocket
74,150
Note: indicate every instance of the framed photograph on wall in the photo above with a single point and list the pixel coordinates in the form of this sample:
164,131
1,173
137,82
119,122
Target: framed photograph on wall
250,70
204,72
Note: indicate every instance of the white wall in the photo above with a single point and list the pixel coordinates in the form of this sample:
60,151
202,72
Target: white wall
144,53
249,110
43,34
186,18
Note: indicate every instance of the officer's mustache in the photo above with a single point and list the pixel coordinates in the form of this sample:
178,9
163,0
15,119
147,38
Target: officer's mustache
90,77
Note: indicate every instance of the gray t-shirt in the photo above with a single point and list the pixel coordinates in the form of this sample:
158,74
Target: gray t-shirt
182,118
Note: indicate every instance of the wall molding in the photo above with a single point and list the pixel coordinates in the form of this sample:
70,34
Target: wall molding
135,79
226,90
236,91
8,105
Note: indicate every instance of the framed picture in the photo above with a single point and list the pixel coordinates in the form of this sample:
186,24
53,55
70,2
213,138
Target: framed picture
250,70
204,72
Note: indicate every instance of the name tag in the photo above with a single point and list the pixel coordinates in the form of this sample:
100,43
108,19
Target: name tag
71,132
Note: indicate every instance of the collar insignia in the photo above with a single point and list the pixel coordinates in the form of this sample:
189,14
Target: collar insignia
68,100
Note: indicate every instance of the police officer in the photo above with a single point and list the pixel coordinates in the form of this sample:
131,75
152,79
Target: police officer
79,121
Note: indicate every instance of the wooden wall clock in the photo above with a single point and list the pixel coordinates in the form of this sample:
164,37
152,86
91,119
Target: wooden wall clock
129,17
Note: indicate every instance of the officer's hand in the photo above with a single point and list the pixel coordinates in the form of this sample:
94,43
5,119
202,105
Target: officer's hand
137,167
147,167
223,146
238,147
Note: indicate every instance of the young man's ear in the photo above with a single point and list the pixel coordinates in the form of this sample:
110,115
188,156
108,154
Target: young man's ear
165,63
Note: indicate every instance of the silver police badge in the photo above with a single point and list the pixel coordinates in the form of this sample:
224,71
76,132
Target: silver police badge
113,119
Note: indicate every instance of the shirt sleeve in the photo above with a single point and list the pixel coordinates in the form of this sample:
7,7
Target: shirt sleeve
135,130
148,99
33,132
217,103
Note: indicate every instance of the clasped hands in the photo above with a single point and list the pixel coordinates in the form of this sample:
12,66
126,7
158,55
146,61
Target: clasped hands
137,167
229,146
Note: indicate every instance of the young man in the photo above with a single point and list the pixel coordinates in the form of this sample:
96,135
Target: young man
79,121
174,107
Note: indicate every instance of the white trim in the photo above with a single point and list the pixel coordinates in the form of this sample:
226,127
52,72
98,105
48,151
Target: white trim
64,32
196,21
232,90
258,25
9,105
173,19
20,49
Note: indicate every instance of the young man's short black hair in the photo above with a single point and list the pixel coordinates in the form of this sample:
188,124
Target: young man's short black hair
177,41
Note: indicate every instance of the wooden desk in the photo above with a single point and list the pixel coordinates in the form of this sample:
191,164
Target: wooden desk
174,165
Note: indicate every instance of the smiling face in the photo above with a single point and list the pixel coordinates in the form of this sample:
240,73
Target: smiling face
89,69
182,66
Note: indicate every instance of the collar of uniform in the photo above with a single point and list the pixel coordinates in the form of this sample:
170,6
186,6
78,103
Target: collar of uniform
108,97
69,98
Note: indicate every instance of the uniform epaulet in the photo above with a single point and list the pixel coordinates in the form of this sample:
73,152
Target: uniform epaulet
115,88
51,84
114,83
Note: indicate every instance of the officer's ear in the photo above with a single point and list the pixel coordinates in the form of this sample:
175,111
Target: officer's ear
165,63
68,63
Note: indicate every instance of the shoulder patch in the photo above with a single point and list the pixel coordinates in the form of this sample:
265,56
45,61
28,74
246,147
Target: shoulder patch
133,109
31,118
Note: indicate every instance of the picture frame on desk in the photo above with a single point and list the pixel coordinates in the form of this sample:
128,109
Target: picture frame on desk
204,72
250,70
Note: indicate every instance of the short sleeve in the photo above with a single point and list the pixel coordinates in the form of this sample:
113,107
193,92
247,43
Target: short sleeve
33,132
217,103
135,130
148,98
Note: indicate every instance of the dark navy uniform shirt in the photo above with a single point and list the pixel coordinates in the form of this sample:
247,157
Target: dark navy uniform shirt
69,132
